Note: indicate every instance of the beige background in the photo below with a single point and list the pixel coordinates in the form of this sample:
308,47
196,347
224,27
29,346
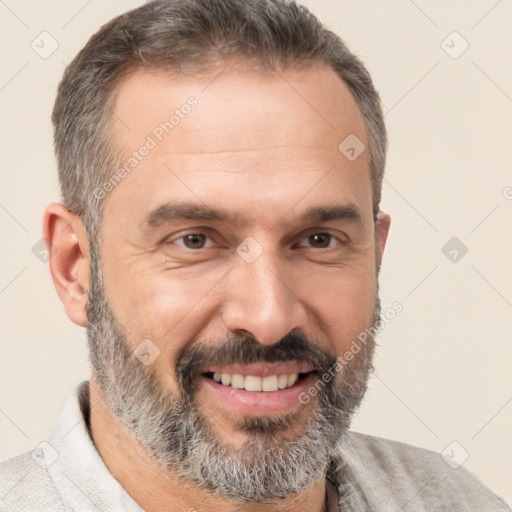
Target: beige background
443,366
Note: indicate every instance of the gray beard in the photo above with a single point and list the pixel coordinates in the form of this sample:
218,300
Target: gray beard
180,438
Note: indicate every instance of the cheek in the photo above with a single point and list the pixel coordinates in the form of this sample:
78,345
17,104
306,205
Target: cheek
343,304
167,309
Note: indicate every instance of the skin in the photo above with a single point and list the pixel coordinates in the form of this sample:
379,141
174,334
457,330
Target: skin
258,144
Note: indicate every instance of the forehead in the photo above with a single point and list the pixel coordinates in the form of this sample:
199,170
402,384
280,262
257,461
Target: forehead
235,95
259,134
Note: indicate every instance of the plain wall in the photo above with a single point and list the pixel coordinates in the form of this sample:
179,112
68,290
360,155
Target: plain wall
443,363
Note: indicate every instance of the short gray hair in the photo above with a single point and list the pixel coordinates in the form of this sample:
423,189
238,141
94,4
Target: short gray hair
181,35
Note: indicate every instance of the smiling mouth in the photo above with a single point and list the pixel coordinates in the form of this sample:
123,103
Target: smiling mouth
255,383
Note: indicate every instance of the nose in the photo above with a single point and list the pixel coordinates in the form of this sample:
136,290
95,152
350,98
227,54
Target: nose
261,302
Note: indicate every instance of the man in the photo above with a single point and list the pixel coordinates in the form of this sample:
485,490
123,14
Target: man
221,166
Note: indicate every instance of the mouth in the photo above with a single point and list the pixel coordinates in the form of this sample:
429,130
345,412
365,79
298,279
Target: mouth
258,389
255,383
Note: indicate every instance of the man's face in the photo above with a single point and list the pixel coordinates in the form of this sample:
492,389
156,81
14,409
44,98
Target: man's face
279,283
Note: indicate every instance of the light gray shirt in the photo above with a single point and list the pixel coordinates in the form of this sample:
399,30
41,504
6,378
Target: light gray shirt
66,473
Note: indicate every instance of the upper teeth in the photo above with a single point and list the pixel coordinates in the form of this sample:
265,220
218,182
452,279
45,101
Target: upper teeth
252,383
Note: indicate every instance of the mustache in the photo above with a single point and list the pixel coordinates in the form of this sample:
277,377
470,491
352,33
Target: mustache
294,346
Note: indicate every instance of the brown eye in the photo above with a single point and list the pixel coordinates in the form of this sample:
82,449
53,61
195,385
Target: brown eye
194,241
319,240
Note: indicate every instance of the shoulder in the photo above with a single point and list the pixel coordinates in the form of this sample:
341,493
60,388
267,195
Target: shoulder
27,486
398,476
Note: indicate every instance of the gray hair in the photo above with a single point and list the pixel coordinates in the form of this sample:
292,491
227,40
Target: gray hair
182,35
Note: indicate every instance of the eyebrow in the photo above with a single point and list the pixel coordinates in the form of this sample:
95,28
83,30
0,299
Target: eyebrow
170,212
349,212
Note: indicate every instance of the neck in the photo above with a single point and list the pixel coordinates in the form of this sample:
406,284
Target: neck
155,489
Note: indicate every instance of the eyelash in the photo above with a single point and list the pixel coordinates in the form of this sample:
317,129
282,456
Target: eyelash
206,234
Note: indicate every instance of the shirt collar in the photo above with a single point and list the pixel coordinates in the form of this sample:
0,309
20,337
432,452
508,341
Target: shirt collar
74,464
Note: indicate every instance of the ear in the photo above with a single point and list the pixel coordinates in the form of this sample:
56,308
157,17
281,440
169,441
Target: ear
382,227
68,248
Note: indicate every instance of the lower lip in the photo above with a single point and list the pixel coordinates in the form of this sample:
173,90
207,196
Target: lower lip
259,403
